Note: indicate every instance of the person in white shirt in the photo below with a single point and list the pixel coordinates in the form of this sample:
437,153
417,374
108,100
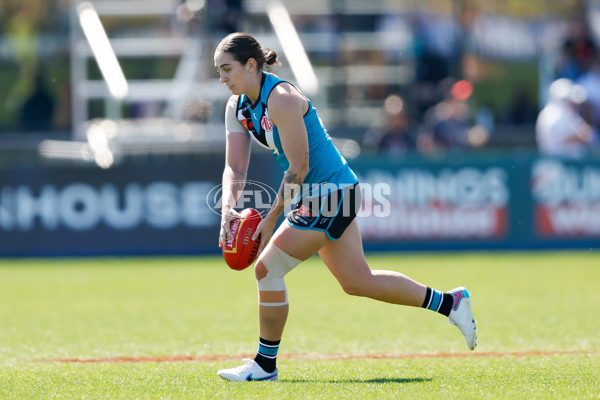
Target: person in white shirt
560,129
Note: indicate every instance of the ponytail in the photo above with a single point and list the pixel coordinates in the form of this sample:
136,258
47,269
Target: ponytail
270,57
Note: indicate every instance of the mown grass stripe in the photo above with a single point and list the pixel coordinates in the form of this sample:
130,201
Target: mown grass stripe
325,357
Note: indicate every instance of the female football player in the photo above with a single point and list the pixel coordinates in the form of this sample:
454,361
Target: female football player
278,116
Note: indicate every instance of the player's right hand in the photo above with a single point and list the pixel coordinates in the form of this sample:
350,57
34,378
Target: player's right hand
226,217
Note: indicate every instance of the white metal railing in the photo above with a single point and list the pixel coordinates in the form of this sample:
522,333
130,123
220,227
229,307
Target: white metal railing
174,93
170,91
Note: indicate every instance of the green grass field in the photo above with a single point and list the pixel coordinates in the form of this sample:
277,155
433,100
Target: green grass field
88,328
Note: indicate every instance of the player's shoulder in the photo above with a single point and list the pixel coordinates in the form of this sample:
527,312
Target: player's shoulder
233,100
285,94
284,88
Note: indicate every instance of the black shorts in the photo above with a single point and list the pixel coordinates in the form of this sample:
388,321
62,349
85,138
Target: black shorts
331,212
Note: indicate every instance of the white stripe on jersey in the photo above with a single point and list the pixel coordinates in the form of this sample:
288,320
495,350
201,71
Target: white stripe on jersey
269,133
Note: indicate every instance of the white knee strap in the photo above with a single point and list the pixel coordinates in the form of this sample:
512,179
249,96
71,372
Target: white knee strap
278,263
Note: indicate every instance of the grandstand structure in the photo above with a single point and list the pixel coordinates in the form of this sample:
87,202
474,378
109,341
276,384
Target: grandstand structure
194,82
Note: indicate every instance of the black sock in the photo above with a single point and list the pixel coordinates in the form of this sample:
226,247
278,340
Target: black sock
438,301
266,356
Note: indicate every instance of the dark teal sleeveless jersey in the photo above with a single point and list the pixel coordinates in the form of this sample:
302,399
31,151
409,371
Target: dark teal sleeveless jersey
326,164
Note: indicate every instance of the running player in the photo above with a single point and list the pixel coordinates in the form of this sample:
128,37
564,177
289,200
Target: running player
277,115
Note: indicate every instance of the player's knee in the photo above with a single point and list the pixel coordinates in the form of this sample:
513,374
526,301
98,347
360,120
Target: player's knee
356,288
270,270
260,271
274,263
352,289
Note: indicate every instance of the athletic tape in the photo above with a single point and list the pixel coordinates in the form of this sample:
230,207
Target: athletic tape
278,263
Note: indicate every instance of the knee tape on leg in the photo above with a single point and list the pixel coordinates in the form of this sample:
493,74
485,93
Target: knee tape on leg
278,263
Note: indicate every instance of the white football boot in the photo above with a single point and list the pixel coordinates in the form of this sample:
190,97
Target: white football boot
250,371
461,315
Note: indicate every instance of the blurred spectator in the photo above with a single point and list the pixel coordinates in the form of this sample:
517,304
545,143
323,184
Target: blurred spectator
560,129
522,110
590,81
434,42
577,50
22,33
38,108
395,34
224,15
397,136
447,125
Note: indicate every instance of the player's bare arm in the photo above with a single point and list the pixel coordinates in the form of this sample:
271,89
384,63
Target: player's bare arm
286,109
237,158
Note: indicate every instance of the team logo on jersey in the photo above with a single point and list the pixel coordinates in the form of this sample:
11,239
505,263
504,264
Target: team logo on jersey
247,124
266,123
243,115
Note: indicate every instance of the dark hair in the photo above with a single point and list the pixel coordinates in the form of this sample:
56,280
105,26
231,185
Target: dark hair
243,47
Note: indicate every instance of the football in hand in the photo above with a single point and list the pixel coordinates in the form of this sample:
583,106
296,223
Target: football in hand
240,250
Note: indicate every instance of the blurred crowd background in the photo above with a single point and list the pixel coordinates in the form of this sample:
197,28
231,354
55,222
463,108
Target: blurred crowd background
480,118
395,76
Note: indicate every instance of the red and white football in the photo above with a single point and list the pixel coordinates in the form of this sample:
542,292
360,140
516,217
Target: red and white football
240,251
